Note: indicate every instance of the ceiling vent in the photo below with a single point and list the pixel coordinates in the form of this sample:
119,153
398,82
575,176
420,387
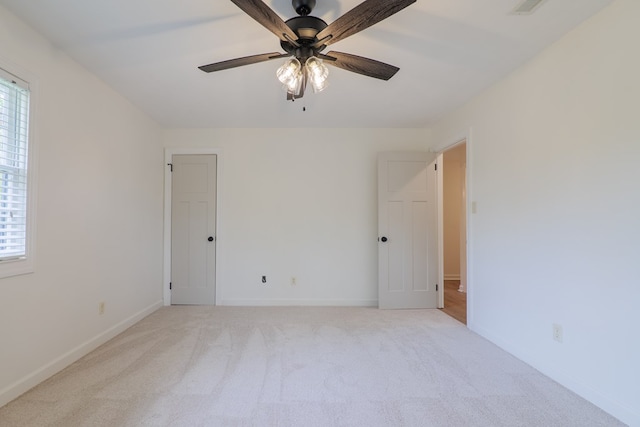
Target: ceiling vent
527,7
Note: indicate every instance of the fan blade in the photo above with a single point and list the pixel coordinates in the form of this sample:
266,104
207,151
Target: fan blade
360,65
363,16
239,62
262,13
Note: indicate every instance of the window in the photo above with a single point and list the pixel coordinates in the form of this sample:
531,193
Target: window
14,145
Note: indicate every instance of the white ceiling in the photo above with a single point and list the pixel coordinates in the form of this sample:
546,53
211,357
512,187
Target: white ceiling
149,50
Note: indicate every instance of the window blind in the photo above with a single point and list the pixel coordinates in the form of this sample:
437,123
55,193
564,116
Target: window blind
14,127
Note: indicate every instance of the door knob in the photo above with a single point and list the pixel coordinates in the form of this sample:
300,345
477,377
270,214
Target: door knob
384,239
211,239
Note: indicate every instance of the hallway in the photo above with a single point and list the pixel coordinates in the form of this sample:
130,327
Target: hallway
455,303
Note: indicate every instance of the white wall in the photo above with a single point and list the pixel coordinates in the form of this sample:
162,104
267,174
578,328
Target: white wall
99,217
556,237
298,203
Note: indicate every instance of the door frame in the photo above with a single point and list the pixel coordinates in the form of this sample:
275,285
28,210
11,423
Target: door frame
168,156
465,137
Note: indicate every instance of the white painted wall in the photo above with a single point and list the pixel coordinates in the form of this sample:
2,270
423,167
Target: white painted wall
99,217
298,203
556,237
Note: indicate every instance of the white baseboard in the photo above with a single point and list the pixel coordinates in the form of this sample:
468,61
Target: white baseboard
629,416
452,277
298,302
28,382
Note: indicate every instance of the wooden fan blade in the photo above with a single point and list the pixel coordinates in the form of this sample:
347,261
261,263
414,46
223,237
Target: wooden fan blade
262,13
363,16
239,62
360,65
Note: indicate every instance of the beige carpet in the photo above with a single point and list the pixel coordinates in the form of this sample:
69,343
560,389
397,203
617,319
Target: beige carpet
230,366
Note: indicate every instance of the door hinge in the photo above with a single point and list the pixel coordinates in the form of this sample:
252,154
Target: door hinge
170,165
169,285
436,287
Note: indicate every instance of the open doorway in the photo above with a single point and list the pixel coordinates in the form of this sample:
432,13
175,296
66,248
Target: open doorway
454,231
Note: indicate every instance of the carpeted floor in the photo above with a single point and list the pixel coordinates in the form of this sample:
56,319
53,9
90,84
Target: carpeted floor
302,366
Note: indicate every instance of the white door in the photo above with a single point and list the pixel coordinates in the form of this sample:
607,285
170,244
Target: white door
193,229
407,227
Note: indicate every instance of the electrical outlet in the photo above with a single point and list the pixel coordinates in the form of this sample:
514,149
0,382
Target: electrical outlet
101,308
557,332
294,281
264,279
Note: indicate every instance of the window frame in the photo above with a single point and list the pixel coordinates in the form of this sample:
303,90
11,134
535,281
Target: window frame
26,263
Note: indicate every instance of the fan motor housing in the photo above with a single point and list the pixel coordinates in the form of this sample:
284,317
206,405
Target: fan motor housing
306,28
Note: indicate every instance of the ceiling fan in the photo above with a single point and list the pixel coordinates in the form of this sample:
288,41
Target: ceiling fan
304,37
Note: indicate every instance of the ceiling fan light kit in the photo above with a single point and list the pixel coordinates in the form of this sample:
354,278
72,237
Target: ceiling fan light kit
304,37
294,77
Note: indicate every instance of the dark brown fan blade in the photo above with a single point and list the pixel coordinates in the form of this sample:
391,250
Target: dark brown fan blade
262,13
360,65
239,62
363,16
